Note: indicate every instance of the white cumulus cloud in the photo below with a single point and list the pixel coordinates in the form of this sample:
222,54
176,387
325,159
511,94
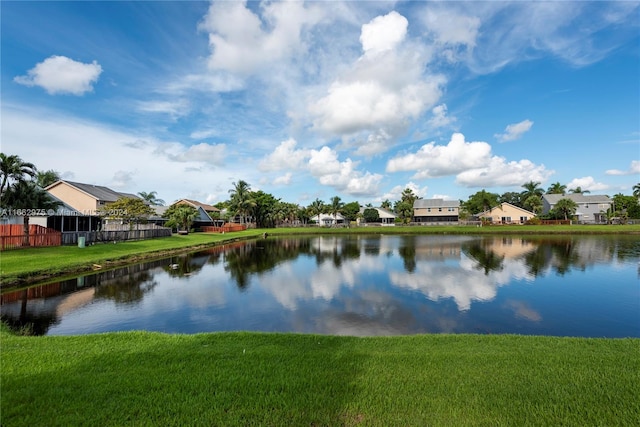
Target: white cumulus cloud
284,157
586,183
343,176
634,168
514,131
383,32
62,75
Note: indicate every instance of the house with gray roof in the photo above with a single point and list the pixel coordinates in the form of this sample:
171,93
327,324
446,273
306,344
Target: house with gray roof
436,210
88,199
591,208
386,216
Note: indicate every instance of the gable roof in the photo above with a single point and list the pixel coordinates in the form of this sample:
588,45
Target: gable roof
435,203
196,204
382,212
552,199
98,192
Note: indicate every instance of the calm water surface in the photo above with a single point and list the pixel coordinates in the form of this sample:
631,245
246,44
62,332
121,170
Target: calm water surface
358,285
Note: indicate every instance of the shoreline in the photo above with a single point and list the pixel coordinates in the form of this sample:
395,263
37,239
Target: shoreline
16,276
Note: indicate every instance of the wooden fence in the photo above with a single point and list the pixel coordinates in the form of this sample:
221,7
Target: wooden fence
92,237
12,237
226,228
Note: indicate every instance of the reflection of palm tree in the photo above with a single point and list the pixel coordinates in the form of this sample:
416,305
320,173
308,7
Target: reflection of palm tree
408,253
487,259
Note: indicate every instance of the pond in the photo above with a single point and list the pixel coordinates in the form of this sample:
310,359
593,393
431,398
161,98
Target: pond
357,285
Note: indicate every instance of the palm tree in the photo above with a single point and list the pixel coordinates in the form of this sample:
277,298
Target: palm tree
47,178
566,208
556,188
151,198
27,196
241,201
579,190
334,208
636,190
386,204
13,168
316,207
531,188
534,204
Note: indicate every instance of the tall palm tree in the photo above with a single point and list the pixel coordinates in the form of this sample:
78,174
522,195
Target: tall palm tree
531,188
534,204
241,201
151,198
566,208
13,169
386,204
335,207
556,188
316,207
636,190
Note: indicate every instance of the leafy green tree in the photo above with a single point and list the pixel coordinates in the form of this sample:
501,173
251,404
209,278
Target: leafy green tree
626,204
12,170
241,202
481,201
404,210
512,197
180,217
556,188
47,178
130,210
27,196
565,208
151,198
265,209
534,204
371,215
350,211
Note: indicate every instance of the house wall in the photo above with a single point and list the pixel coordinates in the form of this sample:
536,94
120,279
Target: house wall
436,214
512,214
85,204
591,212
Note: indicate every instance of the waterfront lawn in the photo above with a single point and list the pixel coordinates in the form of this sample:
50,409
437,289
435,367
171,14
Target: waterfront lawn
144,379
21,263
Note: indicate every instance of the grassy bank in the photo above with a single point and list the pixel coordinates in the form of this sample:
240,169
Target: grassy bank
25,266
139,378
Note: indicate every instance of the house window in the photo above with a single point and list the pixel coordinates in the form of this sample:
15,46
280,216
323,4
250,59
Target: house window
428,209
523,219
451,209
439,209
506,219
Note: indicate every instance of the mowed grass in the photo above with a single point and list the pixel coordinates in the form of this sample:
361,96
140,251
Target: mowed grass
241,379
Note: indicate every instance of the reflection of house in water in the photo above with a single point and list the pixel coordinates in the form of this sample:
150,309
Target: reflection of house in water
509,247
435,247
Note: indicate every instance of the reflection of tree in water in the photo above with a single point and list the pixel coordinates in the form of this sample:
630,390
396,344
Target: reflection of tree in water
29,322
127,290
484,256
407,251
186,265
261,256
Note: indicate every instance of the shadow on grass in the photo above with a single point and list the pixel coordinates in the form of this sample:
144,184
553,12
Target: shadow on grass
208,379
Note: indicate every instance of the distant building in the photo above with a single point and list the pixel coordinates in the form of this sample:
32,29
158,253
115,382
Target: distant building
386,216
506,213
328,219
436,210
591,208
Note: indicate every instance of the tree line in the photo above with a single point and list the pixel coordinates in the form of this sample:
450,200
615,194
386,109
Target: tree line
22,187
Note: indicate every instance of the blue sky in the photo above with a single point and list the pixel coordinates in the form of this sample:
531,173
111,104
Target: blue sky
309,100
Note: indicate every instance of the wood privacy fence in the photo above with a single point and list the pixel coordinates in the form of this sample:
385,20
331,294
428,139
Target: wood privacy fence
226,228
91,237
12,237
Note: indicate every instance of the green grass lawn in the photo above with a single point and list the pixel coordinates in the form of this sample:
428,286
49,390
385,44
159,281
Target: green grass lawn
24,266
241,379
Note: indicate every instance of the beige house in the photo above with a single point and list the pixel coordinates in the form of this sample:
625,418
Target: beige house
87,199
436,210
507,213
